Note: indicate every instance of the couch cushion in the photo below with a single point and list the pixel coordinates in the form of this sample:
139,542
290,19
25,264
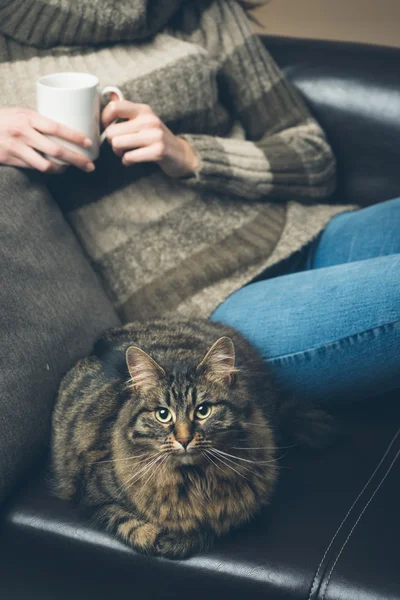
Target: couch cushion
52,309
330,532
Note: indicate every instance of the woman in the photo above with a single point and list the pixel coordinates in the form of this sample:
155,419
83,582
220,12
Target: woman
215,173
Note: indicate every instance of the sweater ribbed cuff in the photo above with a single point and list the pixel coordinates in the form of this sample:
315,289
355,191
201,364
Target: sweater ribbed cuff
213,160
229,166
240,167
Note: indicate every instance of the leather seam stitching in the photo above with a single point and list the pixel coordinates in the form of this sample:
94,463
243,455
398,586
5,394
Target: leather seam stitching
356,523
314,582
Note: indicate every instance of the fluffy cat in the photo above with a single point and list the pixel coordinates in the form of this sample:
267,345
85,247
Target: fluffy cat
167,434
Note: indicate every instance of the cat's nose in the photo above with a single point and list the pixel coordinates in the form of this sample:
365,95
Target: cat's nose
185,442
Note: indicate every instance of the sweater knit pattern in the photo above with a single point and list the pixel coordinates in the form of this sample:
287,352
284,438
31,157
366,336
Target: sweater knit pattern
164,246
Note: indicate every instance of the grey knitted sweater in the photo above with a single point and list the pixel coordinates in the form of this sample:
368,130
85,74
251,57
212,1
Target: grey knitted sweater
164,246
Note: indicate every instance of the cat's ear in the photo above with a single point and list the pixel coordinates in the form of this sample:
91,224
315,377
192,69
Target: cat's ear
144,371
218,365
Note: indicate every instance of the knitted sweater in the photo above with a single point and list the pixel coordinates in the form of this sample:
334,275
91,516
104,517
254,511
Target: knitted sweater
164,246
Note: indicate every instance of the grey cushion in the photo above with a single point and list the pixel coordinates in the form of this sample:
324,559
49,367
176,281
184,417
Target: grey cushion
52,308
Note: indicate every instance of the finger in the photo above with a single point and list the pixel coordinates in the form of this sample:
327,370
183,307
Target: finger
42,143
122,143
122,109
113,96
32,158
64,132
142,121
153,153
17,162
57,169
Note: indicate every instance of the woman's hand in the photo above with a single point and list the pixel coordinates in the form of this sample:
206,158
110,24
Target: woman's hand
144,138
23,136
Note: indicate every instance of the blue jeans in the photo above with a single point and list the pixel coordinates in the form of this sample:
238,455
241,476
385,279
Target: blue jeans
331,330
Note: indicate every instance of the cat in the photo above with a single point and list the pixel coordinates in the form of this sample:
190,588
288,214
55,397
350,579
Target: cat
167,434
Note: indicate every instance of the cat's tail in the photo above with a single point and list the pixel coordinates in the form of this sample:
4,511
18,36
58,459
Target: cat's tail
301,423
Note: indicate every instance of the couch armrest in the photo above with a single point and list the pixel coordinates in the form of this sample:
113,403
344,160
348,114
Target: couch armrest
354,92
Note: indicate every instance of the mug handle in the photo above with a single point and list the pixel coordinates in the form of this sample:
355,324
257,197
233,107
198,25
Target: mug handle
108,90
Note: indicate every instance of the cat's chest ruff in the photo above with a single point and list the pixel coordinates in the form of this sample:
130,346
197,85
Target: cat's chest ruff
187,504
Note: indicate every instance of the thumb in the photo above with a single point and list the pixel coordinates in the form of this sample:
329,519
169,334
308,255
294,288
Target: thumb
113,97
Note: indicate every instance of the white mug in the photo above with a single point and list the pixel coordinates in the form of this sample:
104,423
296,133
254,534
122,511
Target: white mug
73,99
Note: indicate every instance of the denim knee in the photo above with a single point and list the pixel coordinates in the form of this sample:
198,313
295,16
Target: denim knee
359,235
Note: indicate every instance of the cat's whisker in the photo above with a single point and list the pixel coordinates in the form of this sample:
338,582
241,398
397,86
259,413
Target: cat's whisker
138,479
129,458
132,479
253,462
262,475
202,446
265,447
281,456
161,470
227,465
158,467
253,424
139,473
145,459
206,454
234,462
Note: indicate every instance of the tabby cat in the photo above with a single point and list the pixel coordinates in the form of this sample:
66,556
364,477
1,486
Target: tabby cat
167,434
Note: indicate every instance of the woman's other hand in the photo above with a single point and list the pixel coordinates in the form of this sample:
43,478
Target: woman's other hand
142,137
23,137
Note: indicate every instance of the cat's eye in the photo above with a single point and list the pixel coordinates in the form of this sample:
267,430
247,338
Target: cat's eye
163,415
203,411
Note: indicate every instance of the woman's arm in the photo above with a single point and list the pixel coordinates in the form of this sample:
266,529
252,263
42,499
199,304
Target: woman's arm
285,154
281,151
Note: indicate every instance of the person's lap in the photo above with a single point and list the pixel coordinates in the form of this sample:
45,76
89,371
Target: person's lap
331,332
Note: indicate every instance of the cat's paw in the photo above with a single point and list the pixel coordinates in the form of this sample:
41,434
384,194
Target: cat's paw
177,545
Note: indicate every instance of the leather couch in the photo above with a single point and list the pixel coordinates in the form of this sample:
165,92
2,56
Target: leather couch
332,529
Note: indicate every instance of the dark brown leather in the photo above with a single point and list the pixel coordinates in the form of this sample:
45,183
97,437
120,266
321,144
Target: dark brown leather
331,532
354,91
